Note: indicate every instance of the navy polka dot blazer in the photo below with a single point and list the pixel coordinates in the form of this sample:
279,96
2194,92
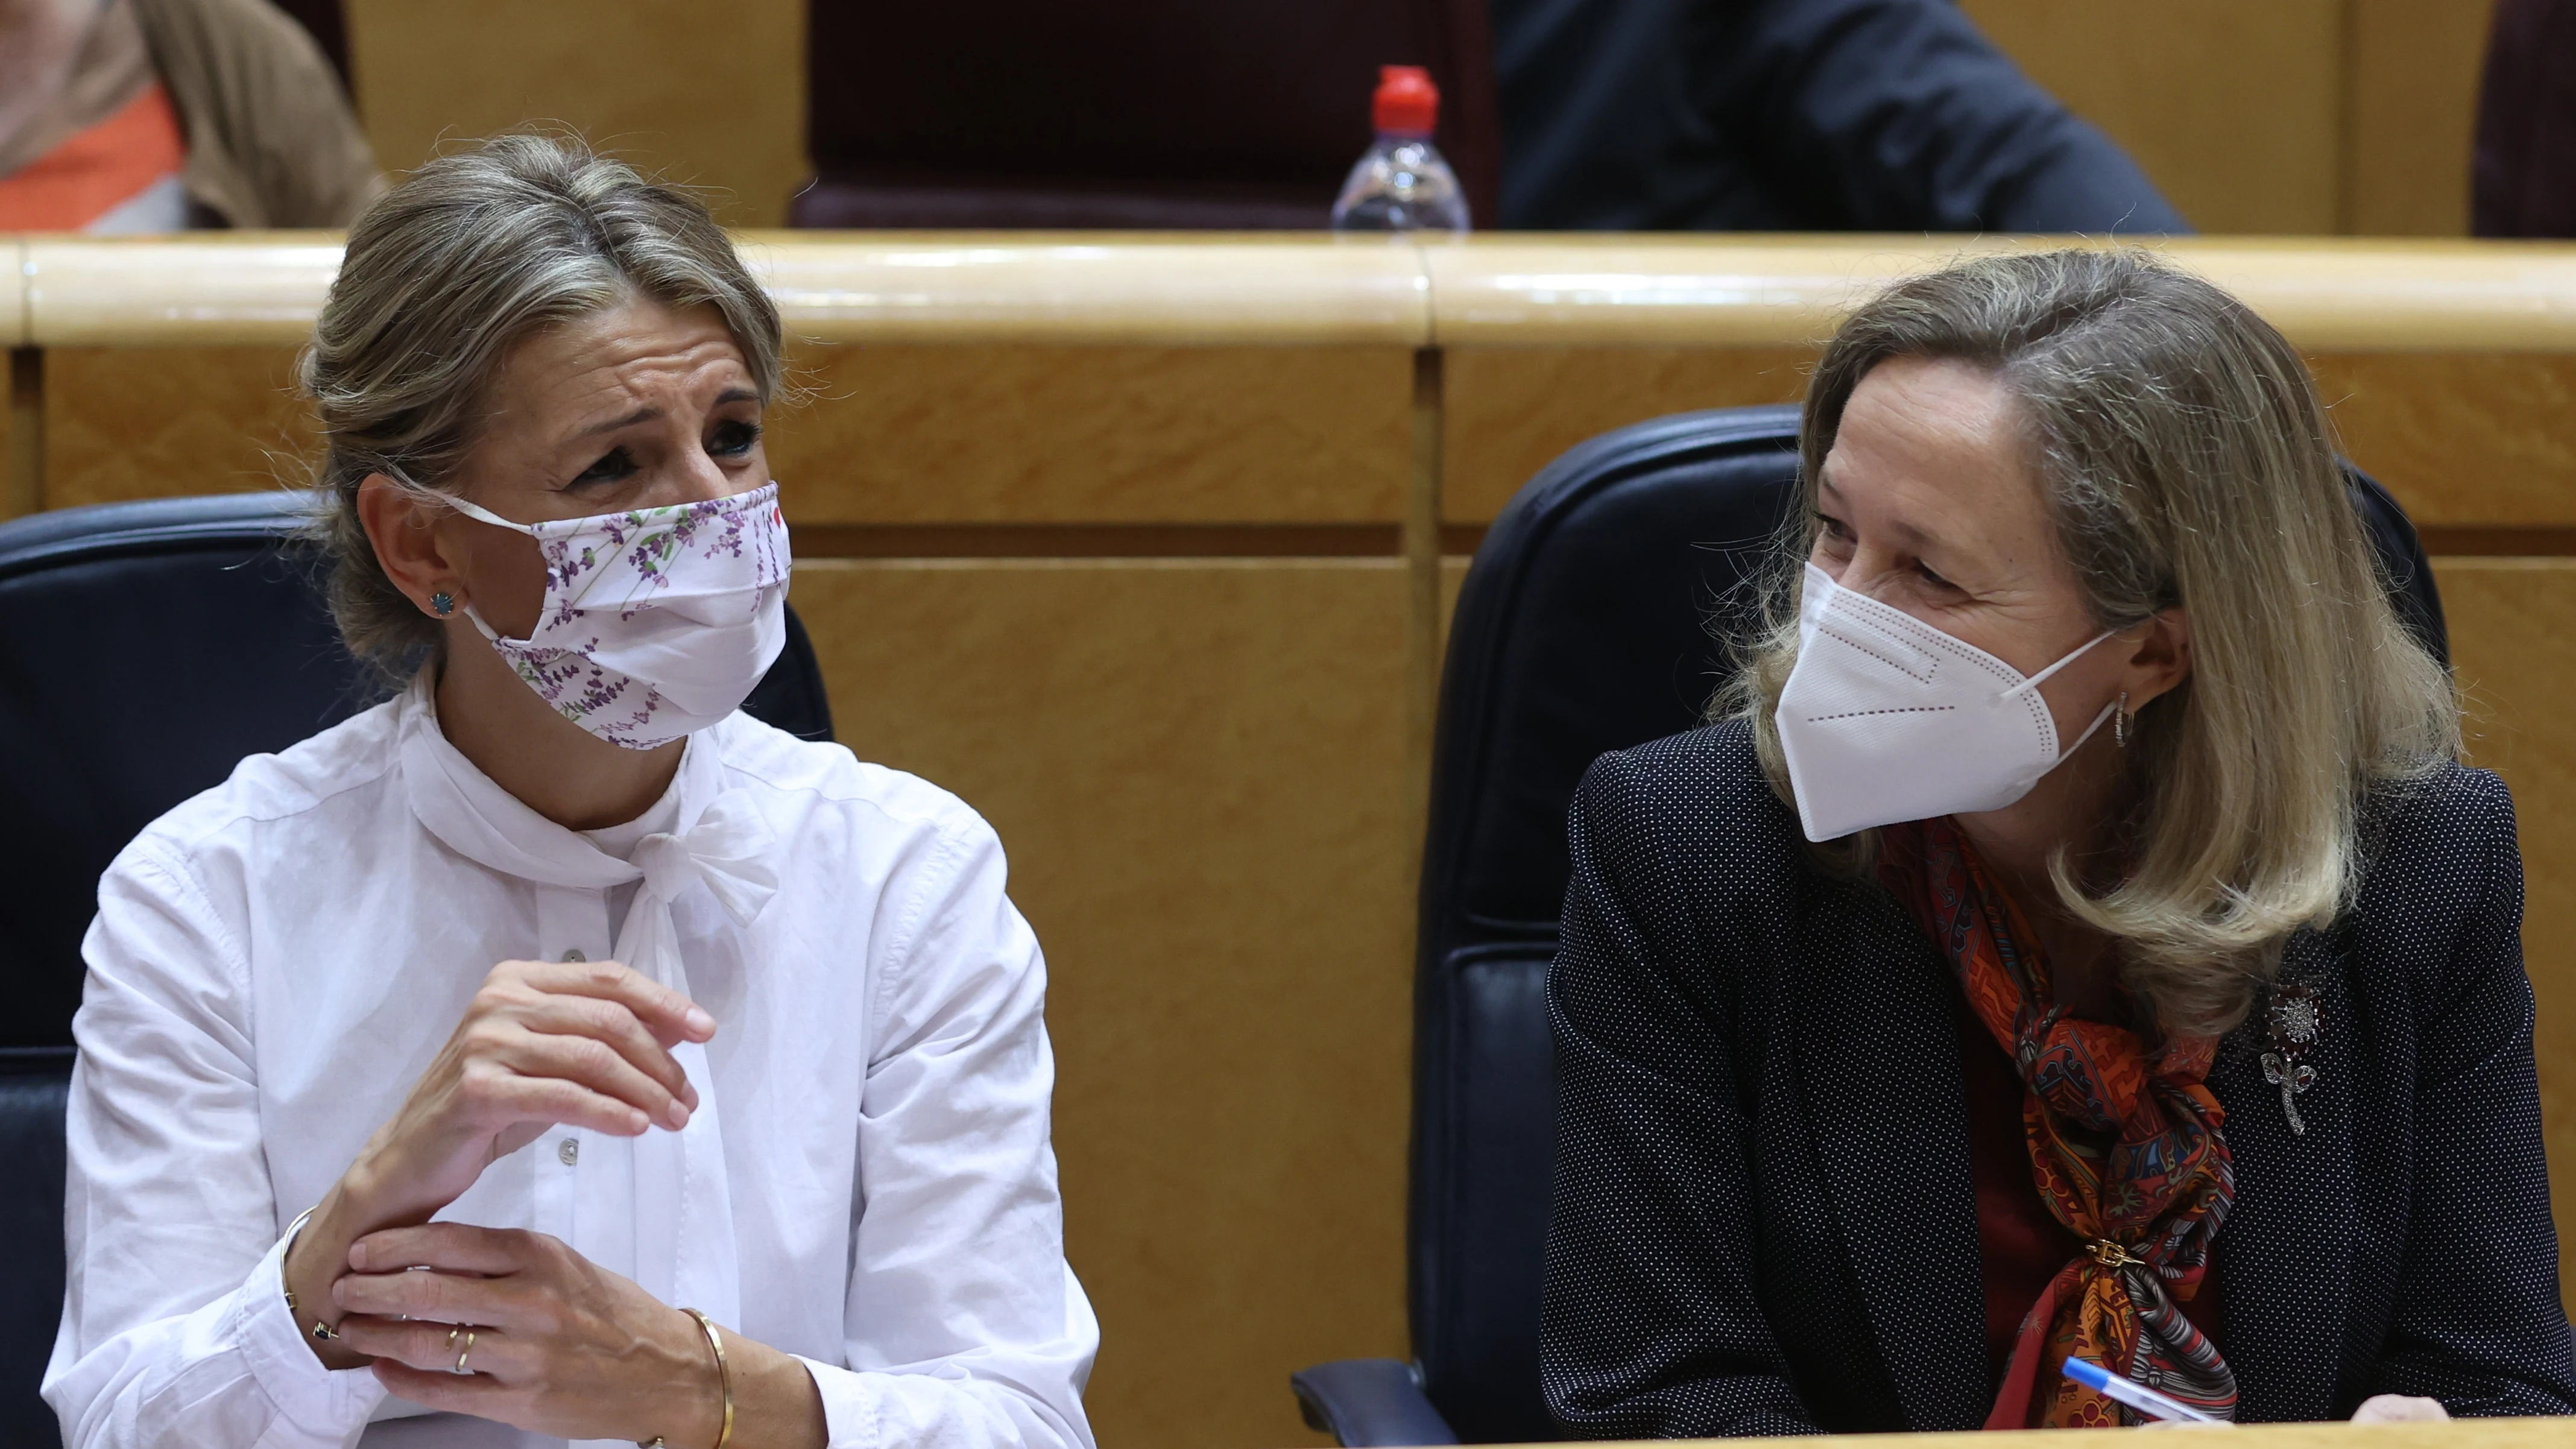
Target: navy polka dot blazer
1763,1221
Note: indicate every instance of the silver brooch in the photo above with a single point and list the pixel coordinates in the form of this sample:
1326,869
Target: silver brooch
2291,1022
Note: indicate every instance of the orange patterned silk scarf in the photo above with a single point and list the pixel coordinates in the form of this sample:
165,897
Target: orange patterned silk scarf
2127,1152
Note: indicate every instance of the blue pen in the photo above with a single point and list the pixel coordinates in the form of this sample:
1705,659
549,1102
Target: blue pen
2136,1395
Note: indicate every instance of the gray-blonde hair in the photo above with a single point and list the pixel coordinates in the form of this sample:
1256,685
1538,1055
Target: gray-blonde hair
443,276
2188,462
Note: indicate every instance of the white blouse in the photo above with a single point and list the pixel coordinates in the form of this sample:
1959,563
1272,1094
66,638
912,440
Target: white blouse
275,962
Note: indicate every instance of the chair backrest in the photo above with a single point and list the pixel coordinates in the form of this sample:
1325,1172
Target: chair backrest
1594,618
145,649
1124,113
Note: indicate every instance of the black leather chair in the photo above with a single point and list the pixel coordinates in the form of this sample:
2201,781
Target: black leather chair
1595,617
145,648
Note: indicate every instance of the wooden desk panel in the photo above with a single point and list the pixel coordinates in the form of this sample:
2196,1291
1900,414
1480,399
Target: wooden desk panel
162,422
2465,440
2252,145
2462,439
1039,434
2513,643
903,435
1510,410
1196,766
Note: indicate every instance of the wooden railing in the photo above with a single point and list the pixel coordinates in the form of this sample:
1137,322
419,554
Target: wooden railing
2327,294
1143,545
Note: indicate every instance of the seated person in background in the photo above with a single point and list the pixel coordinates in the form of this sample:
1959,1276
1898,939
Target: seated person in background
2523,168
160,115
2076,937
1792,115
701,1071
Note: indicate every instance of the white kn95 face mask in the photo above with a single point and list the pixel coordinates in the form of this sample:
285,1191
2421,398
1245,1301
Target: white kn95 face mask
657,622
1887,719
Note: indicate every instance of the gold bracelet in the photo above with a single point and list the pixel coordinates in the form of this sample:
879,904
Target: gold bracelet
322,1332
724,1376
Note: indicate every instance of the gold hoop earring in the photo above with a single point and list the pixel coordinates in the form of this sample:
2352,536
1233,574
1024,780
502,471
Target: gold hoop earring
2120,718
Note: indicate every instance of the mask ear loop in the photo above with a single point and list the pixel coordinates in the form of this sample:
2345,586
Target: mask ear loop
2108,711
481,514
2041,677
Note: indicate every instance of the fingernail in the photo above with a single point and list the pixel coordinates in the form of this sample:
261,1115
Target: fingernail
358,1255
700,1022
677,1114
637,1122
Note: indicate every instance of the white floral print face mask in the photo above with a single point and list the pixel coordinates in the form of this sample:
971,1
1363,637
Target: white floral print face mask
657,622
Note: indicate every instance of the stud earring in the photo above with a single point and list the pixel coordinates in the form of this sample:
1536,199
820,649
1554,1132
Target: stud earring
443,604
2120,717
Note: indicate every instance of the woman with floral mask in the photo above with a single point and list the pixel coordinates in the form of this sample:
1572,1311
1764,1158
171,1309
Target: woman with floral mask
2076,938
553,1052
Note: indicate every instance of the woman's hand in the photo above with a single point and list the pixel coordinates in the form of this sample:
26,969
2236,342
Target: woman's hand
2377,1409
2398,1409
580,1044
584,1044
559,1345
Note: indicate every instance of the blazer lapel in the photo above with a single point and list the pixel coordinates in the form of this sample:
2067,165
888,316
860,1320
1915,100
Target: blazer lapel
2285,1252
1886,1115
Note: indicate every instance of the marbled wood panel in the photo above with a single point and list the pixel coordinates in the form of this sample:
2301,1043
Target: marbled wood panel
2513,641
987,434
709,95
2234,110
1511,410
1195,767
158,422
2461,439
2412,93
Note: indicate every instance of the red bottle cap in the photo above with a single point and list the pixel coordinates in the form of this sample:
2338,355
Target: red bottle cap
1407,102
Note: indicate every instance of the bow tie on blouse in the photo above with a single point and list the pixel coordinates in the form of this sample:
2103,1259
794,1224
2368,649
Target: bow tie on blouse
684,1236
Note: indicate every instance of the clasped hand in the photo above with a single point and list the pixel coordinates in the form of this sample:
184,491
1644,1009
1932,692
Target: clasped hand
560,1345
543,1044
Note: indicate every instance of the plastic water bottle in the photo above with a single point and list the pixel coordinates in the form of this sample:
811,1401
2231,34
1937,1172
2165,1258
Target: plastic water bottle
1403,184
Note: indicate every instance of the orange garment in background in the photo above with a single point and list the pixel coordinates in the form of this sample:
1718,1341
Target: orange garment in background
95,171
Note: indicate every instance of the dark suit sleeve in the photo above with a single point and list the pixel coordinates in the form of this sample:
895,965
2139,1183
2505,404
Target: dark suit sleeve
2479,1323
1650,1327
1897,115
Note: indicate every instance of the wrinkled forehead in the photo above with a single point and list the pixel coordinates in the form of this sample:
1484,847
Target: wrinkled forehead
639,355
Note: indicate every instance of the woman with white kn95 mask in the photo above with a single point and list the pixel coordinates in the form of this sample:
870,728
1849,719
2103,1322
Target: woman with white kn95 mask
2071,981
554,1053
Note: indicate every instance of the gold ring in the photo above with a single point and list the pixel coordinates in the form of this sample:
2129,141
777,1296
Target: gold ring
451,1335
469,1348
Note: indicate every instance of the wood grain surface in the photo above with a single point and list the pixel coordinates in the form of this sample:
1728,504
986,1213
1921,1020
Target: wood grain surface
126,423
2513,646
1195,766
1037,434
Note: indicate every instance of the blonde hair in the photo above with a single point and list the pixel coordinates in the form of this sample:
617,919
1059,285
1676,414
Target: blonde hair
2188,462
443,276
